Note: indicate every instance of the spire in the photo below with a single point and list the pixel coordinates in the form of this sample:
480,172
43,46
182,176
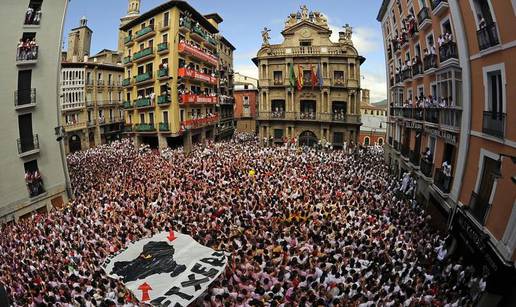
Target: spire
134,8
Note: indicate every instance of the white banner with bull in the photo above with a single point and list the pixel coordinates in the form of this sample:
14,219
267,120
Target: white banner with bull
168,269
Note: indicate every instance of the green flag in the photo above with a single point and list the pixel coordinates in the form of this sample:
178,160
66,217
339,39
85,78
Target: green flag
292,77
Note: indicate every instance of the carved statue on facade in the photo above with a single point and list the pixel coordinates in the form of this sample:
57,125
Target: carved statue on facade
345,36
304,12
291,20
266,36
320,19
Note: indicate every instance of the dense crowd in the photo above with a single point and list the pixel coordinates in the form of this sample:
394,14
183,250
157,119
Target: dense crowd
304,227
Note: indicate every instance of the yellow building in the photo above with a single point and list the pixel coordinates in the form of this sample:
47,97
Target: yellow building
309,86
91,93
171,75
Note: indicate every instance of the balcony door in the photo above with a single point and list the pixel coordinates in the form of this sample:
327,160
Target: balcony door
24,86
25,129
481,205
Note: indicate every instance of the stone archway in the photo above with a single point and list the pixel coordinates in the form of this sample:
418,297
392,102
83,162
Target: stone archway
307,138
74,143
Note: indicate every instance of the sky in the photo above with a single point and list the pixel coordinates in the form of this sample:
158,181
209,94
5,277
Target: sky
242,25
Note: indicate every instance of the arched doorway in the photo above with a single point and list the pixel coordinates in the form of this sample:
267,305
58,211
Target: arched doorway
307,138
74,144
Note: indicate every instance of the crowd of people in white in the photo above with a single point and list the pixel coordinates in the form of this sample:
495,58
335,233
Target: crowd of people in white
304,227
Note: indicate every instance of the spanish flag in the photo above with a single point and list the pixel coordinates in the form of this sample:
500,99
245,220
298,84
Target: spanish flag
299,78
314,79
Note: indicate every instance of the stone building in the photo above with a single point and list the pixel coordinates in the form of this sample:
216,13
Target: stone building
246,103
451,67
33,169
309,86
374,121
91,93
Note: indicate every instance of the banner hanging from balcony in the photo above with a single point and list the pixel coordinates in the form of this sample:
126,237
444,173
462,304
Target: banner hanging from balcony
166,269
299,78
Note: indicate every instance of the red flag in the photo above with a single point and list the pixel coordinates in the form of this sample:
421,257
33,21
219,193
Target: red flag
313,77
299,78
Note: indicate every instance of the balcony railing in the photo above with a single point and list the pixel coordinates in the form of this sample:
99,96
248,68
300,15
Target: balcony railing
197,53
164,127
128,39
479,207
406,74
162,73
33,17
438,6
193,74
25,98
199,122
144,128
494,124
448,51
163,99
143,77
432,115
405,150
308,116
142,53
487,36
398,78
442,182
162,47
417,69
450,117
423,15
28,144
277,50
144,31
127,60
143,103
426,167
430,61
27,55
127,105
197,99
126,82
414,157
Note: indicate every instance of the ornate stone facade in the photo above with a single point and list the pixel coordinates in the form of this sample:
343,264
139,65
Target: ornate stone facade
309,86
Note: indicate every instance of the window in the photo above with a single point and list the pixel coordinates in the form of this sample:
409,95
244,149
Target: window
449,87
142,118
380,141
352,74
165,38
481,200
165,116
338,77
278,134
366,141
166,18
278,77
305,43
495,91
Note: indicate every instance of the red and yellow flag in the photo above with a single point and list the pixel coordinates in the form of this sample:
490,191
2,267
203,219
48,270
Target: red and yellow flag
299,77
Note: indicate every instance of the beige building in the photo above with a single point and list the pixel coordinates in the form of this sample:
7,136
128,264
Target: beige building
309,85
374,121
172,75
451,70
91,93
32,164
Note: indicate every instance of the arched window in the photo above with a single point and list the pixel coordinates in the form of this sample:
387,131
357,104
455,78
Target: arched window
366,141
380,141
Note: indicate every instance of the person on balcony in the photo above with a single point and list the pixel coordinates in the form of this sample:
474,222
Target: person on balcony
446,167
29,15
427,155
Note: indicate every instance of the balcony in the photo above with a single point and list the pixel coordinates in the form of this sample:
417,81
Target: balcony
447,52
450,118
24,99
128,40
423,19
405,151
197,76
163,73
164,100
494,124
144,128
126,82
185,24
127,61
430,62
426,167
197,33
28,146
163,48
192,99
199,122
127,105
144,33
72,106
339,117
442,182
187,49
439,7
74,126
27,55
143,78
143,103
164,127
337,82
432,115
143,55
406,74
487,36
479,207
414,158
417,70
